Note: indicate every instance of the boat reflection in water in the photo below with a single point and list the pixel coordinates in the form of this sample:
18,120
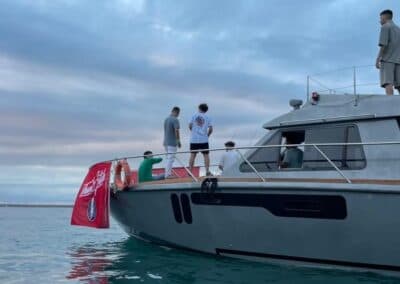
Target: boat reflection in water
89,263
132,261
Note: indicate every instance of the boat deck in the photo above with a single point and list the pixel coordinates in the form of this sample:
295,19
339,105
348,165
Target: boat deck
296,180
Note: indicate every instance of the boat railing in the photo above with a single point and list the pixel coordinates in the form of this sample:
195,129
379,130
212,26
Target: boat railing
352,80
245,156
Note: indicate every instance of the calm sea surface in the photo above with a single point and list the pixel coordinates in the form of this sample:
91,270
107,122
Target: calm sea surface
37,245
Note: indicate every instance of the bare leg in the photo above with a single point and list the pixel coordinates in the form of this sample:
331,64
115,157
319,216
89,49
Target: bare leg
389,89
191,160
207,163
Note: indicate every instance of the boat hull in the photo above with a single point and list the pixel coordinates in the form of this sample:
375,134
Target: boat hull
344,227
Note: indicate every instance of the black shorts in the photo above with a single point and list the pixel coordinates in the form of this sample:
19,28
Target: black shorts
199,146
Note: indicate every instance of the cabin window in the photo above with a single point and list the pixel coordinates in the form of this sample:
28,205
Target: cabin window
264,159
398,121
346,157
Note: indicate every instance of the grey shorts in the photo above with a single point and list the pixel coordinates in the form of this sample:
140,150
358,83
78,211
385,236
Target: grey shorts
390,74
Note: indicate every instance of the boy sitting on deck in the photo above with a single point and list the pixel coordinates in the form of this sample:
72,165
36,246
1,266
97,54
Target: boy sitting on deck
146,168
229,158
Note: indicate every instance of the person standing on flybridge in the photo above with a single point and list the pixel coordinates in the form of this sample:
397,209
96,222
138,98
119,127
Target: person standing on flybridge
201,128
388,60
171,139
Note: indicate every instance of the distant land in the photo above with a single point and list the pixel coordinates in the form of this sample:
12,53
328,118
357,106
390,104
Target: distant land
34,205
42,194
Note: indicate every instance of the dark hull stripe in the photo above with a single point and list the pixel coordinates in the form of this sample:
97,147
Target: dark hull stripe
176,208
282,205
187,212
309,260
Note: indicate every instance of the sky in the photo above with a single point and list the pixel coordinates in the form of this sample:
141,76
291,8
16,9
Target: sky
86,81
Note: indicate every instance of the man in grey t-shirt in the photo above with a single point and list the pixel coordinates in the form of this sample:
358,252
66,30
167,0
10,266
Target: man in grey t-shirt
388,60
171,139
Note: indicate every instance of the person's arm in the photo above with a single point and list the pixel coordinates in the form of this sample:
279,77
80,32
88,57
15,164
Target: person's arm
177,136
284,165
191,123
221,163
379,57
210,130
155,160
178,139
285,160
383,42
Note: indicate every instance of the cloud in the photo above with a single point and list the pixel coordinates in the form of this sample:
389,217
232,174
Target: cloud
79,85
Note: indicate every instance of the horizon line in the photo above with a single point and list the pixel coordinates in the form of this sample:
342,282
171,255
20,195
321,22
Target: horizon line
13,204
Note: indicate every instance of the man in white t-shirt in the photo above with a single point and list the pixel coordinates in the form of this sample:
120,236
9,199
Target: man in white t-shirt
201,128
229,158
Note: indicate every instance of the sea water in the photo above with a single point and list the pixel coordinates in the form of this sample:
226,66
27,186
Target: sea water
37,245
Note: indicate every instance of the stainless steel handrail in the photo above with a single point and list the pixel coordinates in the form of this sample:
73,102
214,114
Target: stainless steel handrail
354,85
251,166
315,145
187,170
332,163
266,146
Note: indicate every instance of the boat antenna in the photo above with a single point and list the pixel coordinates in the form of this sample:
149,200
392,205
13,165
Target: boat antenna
355,85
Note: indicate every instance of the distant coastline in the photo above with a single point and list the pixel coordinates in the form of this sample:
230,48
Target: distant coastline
34,205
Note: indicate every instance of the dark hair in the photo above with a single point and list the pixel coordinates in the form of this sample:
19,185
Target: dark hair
203,107
145,154
230,144
387,13
176,109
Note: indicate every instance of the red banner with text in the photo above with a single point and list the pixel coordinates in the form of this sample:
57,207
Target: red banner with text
92,203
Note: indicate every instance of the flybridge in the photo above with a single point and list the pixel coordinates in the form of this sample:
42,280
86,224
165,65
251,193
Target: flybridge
339,108
329,102
348,80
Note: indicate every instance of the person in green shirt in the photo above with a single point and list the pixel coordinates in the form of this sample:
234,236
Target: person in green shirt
146,167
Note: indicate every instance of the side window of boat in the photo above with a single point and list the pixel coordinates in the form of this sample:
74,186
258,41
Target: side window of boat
355,158
398,121
346,157
264,159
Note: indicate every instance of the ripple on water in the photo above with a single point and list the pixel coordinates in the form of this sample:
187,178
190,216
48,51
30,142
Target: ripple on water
65,254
